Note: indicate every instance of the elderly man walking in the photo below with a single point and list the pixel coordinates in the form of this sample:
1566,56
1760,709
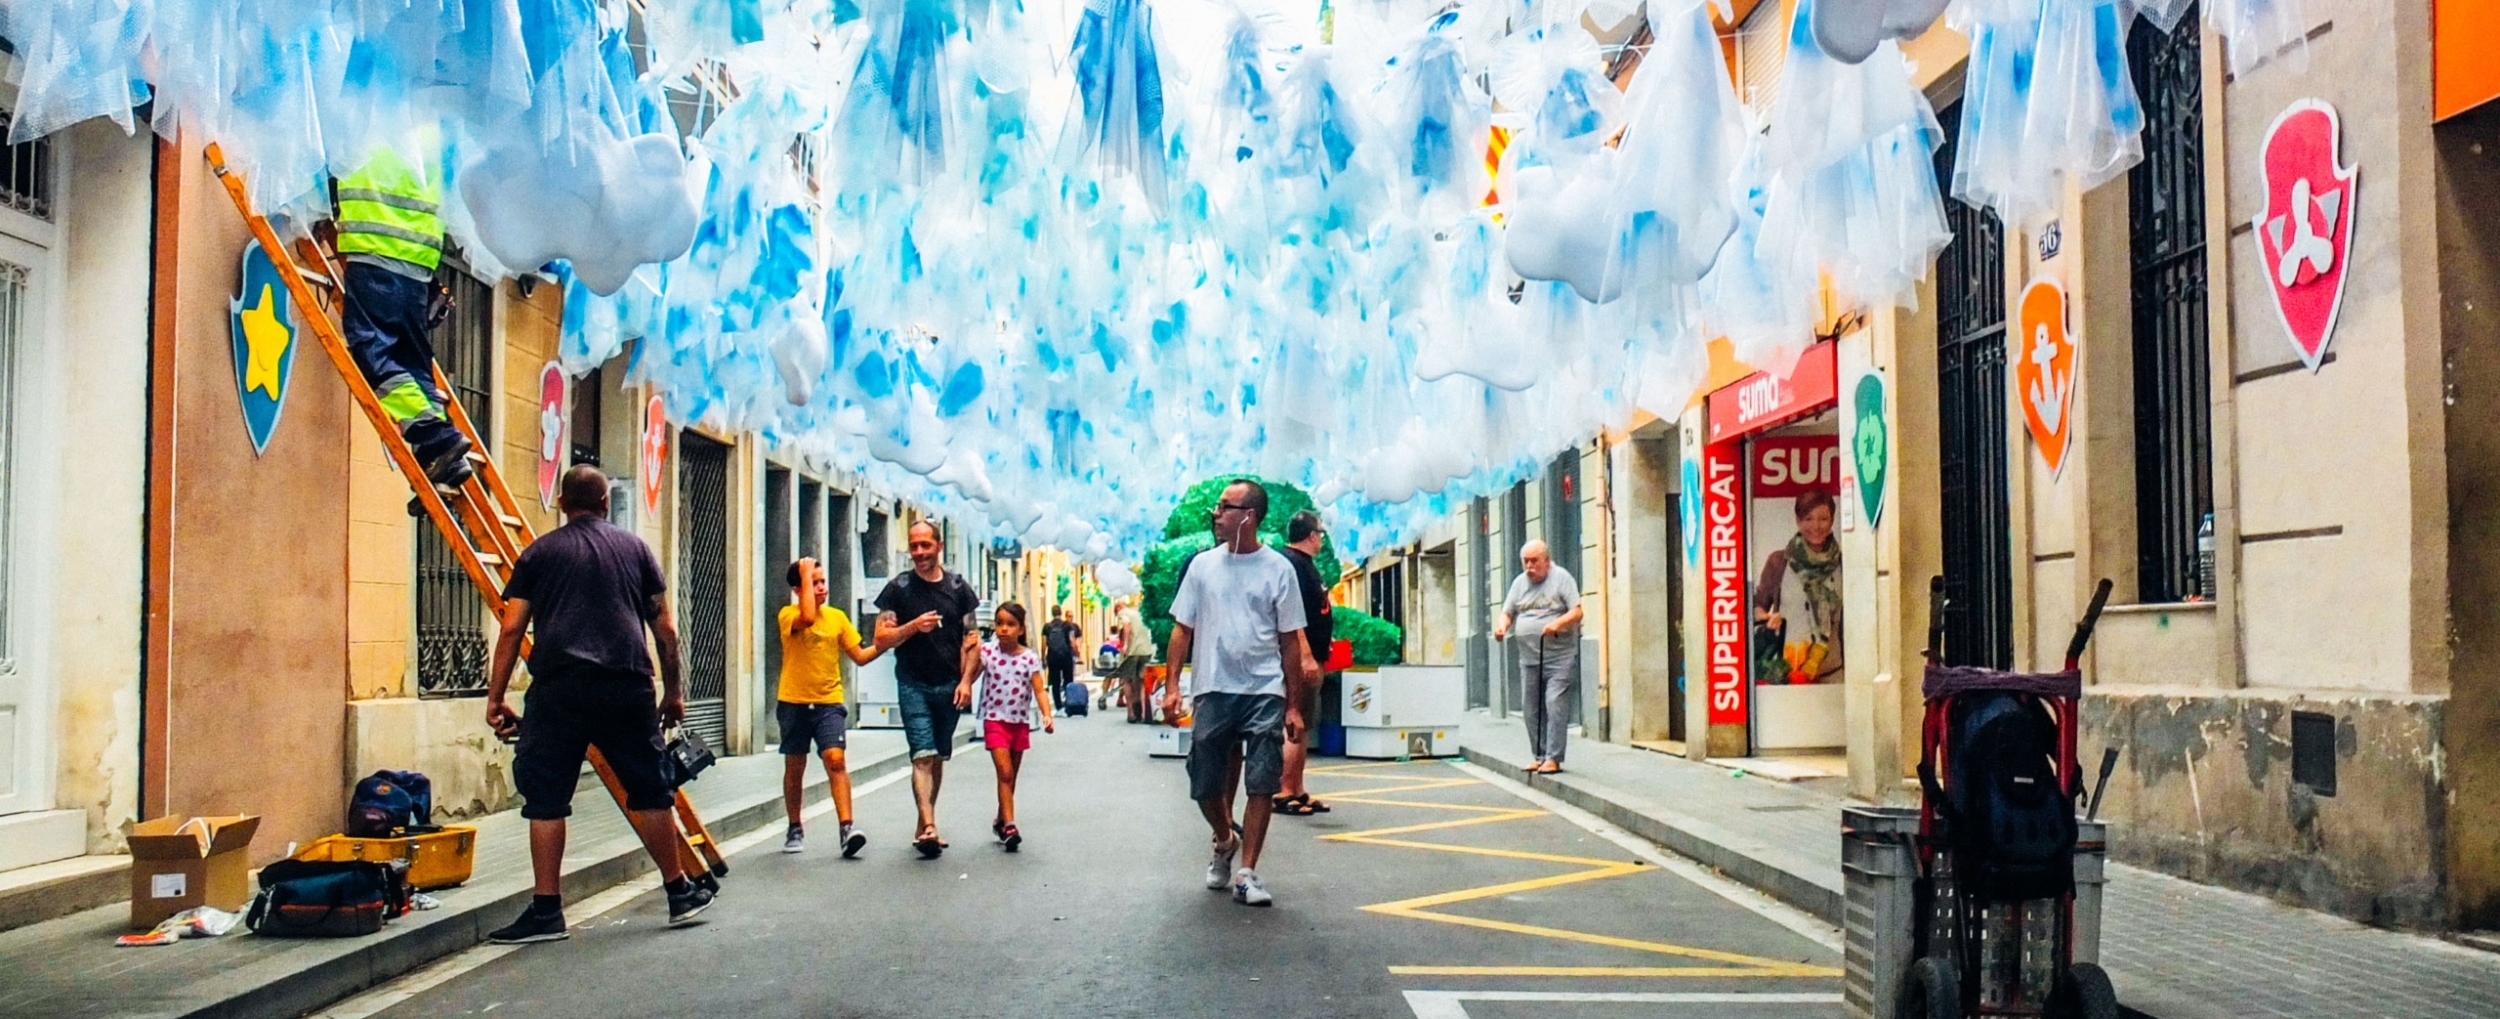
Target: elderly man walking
1543,611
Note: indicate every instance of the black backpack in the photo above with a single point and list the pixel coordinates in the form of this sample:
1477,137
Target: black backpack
2012,825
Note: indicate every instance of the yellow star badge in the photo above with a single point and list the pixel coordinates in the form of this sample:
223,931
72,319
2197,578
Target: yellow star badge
265,339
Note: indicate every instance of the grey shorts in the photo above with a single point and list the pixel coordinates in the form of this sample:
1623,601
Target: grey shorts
826,725
1221,723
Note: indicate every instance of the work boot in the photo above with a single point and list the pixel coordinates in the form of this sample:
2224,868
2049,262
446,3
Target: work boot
684,906
533,926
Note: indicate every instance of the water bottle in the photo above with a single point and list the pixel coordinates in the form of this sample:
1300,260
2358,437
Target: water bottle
2205,559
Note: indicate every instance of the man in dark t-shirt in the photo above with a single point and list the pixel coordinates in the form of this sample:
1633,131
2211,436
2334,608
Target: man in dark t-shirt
1059,642
1303,535
933,608
591,589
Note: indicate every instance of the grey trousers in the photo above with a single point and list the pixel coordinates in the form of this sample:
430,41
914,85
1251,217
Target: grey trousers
1545,667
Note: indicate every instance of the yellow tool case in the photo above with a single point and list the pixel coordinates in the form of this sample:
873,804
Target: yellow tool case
435,860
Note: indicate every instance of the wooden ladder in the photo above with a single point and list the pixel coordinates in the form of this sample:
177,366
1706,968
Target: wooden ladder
481,522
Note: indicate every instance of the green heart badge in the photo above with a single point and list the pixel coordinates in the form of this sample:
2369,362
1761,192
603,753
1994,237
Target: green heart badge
1871,448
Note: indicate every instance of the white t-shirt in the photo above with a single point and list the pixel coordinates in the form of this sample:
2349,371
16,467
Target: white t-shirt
1235,606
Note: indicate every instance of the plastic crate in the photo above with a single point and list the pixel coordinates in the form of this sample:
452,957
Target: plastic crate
435,859
1879,896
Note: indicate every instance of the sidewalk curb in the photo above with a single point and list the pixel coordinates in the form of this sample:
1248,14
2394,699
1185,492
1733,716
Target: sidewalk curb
1822,903
395,954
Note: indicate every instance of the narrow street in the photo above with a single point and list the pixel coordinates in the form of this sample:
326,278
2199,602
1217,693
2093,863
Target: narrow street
1431,891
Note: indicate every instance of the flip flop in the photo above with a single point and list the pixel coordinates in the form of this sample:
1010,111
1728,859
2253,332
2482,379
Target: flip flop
1292,806
929,846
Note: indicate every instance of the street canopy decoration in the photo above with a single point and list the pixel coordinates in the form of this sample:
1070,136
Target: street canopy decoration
1030,263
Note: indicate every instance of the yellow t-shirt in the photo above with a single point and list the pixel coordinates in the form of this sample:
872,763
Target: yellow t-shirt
811,658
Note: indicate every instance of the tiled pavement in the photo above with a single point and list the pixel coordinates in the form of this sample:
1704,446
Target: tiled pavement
69,968
2175,949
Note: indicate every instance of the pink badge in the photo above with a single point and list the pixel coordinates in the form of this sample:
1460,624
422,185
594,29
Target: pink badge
2304,235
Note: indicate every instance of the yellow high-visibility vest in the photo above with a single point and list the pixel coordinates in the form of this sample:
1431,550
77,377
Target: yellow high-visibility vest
389,208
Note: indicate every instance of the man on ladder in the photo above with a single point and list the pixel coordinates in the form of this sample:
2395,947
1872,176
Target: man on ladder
390,234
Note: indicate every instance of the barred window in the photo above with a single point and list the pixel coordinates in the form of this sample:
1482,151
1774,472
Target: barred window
26,174
2166,224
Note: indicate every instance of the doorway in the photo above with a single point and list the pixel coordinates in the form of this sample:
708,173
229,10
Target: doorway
1970,411
703,572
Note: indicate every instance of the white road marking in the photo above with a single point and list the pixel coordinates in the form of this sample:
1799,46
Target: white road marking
1453,1004
434,974
1806,925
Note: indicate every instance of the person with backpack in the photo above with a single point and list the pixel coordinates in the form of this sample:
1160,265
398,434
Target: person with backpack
815,637
1060,639
586,591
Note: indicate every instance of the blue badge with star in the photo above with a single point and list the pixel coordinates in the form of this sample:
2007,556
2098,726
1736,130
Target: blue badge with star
265,330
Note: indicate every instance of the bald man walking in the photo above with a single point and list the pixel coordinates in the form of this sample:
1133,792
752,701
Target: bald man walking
1544,607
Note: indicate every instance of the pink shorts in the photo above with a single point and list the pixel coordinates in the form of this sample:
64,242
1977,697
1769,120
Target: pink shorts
1016,736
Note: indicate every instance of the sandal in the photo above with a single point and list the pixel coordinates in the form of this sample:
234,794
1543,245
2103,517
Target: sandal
1292,806
929,844
1316,806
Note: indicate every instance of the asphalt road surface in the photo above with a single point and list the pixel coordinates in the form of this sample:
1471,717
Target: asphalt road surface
1431,892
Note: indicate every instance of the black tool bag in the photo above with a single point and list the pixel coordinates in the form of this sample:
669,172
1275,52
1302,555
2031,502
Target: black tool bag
2012,822
324,899
688,755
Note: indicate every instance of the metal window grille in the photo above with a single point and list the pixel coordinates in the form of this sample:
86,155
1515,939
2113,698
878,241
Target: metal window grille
2166,227
703,599
16,292
26,174
1970,398
451,621
1562,511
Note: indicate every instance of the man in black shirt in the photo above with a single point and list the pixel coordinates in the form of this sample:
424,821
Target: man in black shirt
933,609
1303,536
591,588
1060,639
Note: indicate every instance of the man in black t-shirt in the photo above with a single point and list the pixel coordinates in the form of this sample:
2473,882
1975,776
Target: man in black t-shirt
1060,639
590,588
933,608
1303,536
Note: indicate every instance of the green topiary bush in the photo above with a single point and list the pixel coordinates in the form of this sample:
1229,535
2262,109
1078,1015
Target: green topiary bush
1191,530
1376,641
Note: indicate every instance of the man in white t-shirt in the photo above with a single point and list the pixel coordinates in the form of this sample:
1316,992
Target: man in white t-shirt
1237,625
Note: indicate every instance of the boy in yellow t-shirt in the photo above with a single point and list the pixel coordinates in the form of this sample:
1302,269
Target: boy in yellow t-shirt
814,639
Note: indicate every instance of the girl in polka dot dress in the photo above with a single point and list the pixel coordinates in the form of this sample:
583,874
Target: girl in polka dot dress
1012,694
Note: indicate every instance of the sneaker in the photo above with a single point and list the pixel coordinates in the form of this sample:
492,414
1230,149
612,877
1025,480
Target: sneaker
852,841
1249,890
682,908
796,841
1220,869
533,927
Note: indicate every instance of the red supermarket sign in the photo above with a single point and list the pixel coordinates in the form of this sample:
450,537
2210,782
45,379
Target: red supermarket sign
1723,578
1762,399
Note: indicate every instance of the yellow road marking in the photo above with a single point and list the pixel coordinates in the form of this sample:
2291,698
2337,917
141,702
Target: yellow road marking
1579,971
1419,908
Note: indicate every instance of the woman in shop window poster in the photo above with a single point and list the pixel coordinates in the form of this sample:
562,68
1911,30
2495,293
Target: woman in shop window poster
1796,600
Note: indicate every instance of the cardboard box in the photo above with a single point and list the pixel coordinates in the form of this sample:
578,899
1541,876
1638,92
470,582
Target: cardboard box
179,862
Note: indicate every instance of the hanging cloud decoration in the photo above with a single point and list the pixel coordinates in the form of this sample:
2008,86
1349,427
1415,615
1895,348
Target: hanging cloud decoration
1037,267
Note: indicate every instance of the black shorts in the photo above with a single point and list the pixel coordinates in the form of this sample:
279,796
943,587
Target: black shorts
825,725
563,716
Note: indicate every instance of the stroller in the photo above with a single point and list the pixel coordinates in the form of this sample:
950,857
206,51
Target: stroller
1995,890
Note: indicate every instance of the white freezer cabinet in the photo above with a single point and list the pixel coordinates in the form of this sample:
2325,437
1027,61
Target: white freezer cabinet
1402,710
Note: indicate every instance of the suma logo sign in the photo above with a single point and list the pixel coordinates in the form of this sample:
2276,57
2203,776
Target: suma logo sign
550,431
2304,234
654,472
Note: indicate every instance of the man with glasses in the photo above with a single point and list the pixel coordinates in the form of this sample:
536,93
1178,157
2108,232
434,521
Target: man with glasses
931,608
1241,606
